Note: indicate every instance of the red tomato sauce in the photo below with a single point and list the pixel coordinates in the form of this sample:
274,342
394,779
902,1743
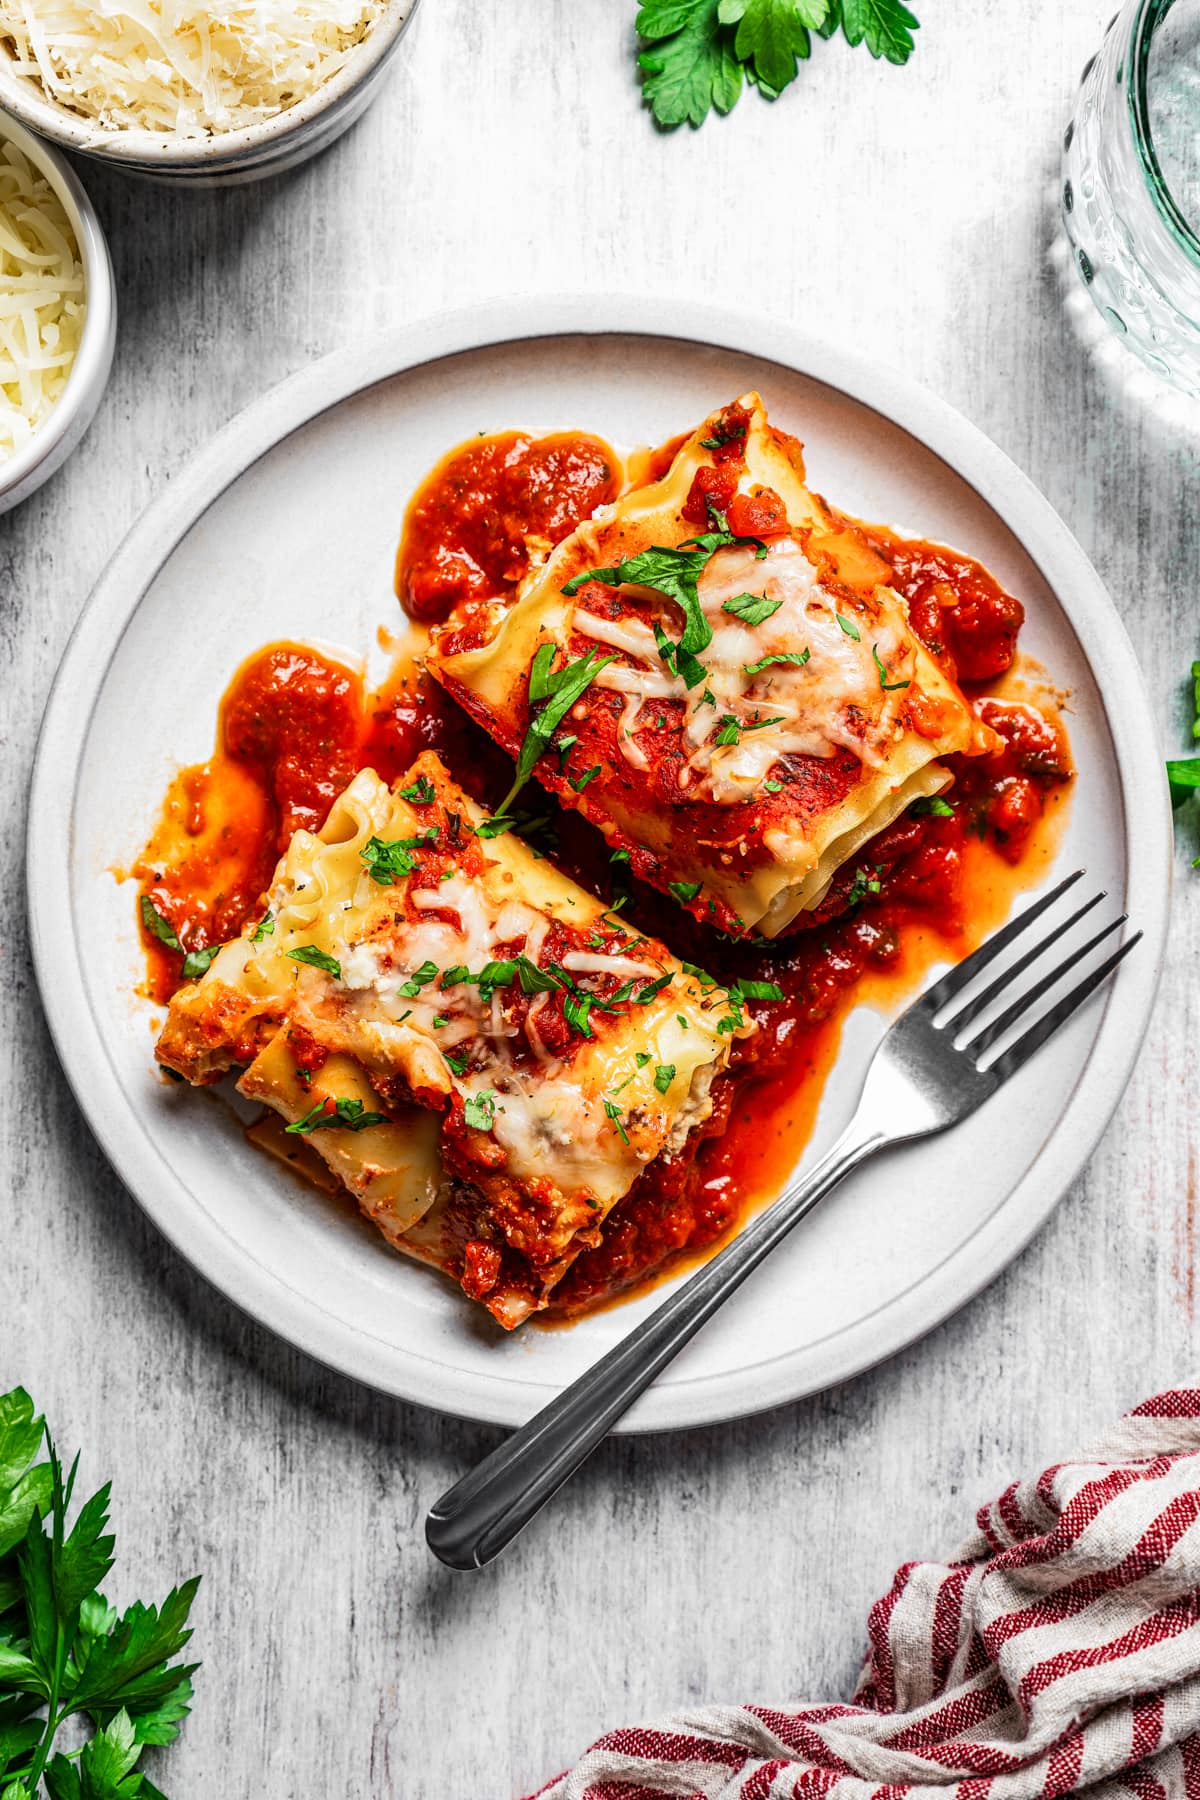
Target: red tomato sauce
473,522
294,727
288,741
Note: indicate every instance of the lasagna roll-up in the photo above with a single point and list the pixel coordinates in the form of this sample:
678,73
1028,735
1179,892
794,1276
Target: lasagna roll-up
754,704
417,963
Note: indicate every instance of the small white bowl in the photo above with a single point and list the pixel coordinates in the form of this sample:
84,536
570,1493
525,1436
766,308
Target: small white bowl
75,408
228,157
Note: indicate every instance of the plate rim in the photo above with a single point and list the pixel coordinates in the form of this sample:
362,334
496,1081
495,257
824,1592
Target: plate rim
327,383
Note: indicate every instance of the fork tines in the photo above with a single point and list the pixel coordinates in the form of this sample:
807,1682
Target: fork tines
937,1002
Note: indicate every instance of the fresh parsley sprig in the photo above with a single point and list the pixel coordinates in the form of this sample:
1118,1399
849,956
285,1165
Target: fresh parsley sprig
698,52
64,1651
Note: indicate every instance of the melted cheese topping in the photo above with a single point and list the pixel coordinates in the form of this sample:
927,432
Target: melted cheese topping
167,67
586,1120
836,700
42,305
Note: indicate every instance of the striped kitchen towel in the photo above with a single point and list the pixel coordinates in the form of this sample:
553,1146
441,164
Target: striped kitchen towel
1057,1653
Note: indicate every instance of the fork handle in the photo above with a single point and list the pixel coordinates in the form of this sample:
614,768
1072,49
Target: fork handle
479,1517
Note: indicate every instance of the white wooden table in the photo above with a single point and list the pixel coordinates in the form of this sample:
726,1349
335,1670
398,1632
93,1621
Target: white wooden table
909,214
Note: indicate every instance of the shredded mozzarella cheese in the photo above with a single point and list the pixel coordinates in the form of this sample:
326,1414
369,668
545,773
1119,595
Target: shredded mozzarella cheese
42,301
165,67
834,700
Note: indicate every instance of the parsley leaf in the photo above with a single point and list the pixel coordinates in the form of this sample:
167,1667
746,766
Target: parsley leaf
884,25
691,65
563,689
264,929
849,627
613,1111
579,782
157,925
684,891
887,686
751,609
864,883
773,787
479,1110
196,962
796,658
755,990
317,959
664,1075
772,35
931,804
346,1115
641,1058
728,732
457,1060
417,980
386,861
1183,773
421,793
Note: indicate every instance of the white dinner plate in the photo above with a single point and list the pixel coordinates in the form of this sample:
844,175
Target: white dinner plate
286,526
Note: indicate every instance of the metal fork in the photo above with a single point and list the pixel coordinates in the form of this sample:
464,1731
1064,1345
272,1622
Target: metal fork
930,1071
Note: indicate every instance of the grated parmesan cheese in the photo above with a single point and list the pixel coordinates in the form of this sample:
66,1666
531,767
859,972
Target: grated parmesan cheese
169,68
42,303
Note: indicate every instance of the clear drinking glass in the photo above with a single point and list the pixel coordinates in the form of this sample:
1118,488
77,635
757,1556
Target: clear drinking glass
1131,184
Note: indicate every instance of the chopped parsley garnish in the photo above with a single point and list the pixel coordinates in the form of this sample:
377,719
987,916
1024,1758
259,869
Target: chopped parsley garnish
564,746
336,1115
727,732
675,573
559,689
619,856
421,793
755,990
479,1111
386,861
646,994
751,609
681,1022
664,1075
773,787
576,1008
761,724
197,961
931,804
723,434
701,975
439,1019
317,959
579,782
797,658
864,883
457,1060
849,627
161,928
417,980
641,1058
264,928
684,891
614,1113
884,683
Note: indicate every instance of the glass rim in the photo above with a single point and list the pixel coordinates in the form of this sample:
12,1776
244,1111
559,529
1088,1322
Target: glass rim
1148,16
